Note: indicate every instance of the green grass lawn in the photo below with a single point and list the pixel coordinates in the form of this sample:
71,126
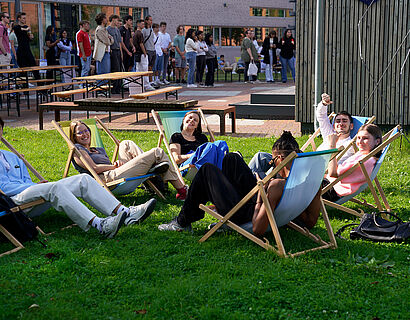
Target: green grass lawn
145,273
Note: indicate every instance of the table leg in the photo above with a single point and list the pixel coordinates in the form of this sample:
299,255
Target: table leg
233,117
57,115
40,118
222,123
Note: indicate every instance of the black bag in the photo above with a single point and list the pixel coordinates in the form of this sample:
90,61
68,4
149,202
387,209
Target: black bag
374,228
17,223
137,57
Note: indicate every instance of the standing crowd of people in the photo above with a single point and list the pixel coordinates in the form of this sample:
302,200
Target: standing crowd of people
119,45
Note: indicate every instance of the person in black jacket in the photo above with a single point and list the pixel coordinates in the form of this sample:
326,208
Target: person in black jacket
287,44
269,54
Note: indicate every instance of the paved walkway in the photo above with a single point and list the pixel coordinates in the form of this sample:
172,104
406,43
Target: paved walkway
222,94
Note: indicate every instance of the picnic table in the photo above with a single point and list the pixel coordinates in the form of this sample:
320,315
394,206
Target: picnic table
100,80
112,105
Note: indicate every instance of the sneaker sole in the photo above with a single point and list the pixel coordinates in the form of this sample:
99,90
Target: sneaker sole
150,209
120,223
160,168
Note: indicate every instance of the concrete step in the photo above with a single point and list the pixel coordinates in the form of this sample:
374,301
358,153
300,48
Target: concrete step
272,98
247,110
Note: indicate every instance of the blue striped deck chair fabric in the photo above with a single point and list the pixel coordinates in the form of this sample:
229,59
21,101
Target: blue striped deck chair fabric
302,185
117,187
171,123
384,147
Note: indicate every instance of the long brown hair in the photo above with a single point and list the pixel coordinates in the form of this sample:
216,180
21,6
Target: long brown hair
74,125
198,129
376,132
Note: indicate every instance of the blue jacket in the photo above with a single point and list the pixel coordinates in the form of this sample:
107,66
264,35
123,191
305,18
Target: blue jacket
15,180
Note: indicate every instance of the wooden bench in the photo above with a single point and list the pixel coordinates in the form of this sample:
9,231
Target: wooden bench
221,112
68,95
112,105
169,91
39,90
5,83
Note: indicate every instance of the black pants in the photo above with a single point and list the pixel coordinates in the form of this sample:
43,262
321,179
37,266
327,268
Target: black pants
200,68
26,59
246,77
115,56
330,194
51,61
128,61
223,188
209,79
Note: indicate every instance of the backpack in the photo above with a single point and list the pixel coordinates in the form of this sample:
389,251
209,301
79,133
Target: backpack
17,223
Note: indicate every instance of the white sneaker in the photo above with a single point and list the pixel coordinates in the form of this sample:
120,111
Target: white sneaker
192,86
158,82
111,225
166,81
149,88
139,213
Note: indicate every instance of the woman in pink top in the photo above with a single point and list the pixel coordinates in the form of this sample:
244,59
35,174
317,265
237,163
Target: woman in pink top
369,137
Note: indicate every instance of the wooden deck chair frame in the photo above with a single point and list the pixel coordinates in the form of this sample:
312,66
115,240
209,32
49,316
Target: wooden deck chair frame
352,143
34,203
280,250
73,150
17,244
163,138
388,138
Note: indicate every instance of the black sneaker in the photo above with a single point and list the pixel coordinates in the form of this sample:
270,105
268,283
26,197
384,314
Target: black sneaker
159,168
183,81
177,81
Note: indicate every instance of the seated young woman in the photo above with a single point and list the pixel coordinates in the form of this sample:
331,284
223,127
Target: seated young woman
369,137
236,180
132,161
191,146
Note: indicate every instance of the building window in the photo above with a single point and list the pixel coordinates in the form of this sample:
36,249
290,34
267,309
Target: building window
124,12
270,12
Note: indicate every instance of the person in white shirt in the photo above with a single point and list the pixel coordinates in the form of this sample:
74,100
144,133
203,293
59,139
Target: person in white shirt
343,124
159,60
200,57
261,162
165,46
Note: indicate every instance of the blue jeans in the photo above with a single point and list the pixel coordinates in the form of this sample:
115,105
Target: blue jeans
104,66
85,66
260,163
191,59
285,63
159,64
65,60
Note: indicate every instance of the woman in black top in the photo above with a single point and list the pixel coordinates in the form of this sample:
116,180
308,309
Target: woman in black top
51,44
269,54
287,44
191,146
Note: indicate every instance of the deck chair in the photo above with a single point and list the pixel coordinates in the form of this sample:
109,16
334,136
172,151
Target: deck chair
37,205
17,244
117,187
302,185
171,122
357,123
387,140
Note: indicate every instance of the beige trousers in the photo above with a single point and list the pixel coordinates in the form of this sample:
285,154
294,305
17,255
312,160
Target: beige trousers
137,163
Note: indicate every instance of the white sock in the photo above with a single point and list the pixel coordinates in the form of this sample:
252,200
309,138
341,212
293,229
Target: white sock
123,209
97,223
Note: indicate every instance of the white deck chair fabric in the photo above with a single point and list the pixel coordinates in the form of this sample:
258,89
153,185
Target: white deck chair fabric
303,183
